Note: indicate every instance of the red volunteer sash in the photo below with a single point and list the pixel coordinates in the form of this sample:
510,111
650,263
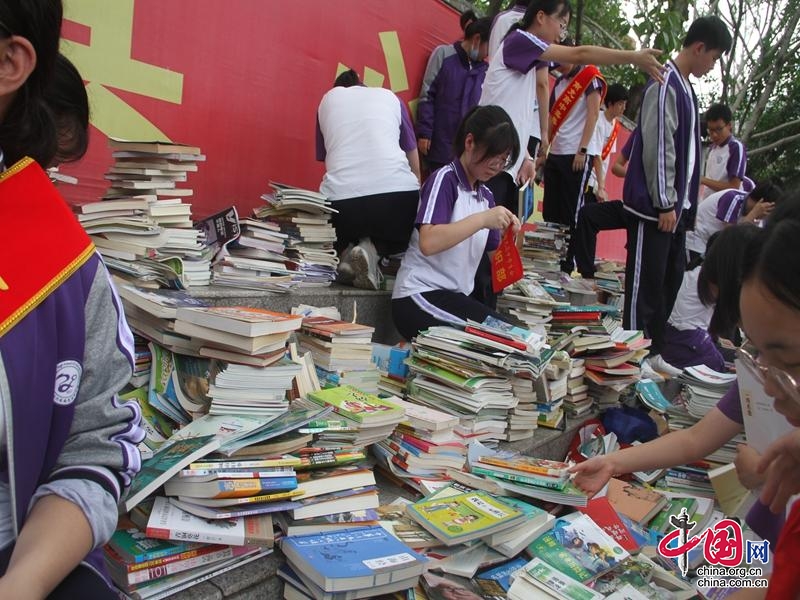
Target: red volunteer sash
506,262
610,141
43,242
567,100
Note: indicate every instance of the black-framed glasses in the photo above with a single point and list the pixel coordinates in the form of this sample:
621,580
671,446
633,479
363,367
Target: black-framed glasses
777,377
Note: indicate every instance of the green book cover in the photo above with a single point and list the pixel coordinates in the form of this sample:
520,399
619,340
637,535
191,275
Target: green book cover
463,517
355,404
165,463
135,547
560,583
661,521
157,427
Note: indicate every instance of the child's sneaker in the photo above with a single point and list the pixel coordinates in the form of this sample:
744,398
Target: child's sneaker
365,261
658,363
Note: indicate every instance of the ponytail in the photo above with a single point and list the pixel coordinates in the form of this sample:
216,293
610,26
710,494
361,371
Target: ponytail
554,8
467,18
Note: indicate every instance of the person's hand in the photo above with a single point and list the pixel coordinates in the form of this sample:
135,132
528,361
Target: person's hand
498,217
601,194
526,172
762,209
666,221
592,475
423,145
781,462
579,162
747,467
646,60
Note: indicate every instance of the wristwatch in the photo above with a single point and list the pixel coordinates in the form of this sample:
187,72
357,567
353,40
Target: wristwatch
583,150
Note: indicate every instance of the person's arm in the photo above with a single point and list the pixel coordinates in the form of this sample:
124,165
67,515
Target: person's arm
427,96
407,140
677,448
75,510
644,59
620,166
589,124
543,100
761,209
747,459
55,539
600,176
438,238
781,463
718,185
320,141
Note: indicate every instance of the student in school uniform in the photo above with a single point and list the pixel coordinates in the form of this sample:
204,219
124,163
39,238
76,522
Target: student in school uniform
726,162
662,183
450,88
365,138
517,79
574,110
604,141
68,445
721,209
502,23
456,224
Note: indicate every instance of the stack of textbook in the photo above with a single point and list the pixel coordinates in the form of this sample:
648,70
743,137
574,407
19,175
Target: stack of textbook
143,225
355,563
544,247
342,352
305,217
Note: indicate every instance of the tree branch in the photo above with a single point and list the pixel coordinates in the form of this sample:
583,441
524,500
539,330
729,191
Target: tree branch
774,129
773,145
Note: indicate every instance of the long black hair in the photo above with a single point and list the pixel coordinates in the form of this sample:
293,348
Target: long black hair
28,127
775,260
554,8
722,274
493,131
66,96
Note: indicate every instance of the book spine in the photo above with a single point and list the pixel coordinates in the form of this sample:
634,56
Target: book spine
528,468
238,473
198,560
688,476
215,466
537,481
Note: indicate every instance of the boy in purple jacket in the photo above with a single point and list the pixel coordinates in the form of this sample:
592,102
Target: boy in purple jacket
662,184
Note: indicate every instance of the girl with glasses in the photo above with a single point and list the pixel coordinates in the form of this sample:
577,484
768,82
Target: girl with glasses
457,223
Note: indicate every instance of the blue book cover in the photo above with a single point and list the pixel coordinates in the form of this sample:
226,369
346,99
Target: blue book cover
502,573
352,559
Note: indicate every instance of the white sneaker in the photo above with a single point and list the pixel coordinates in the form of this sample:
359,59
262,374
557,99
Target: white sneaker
658,363
344,270
365,261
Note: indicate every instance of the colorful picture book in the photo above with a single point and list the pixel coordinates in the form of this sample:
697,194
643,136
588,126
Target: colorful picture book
460,518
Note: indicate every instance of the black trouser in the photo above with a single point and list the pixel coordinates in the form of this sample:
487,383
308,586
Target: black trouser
563,196
412,315
81,583
387,219
505,191
653,275
593,218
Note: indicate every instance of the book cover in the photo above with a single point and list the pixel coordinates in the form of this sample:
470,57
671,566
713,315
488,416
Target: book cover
463,517
674,506
602,513
166,462
528,464
648,392
356,405
520,477
537,575
353,559
638,503
579,549
168,522
501,575
133,546
335,327
229,488
240,320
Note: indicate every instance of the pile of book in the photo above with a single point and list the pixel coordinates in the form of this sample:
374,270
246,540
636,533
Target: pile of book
356,563
544,247
305,217
531,302
142,226
236,334
392,370
423,446
256,259
248,390
342,352
146,566
367,418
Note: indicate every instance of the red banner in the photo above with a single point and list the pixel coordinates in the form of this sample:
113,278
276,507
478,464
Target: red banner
242,80
506,262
